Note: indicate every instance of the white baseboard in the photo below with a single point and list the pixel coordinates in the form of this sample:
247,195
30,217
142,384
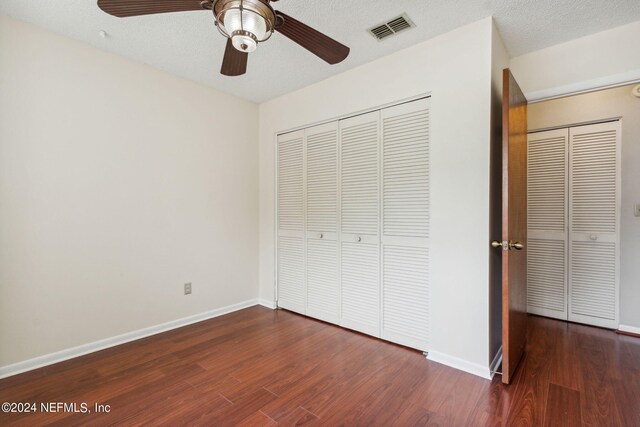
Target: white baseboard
497,360
267,303
630,329
460,364
70,353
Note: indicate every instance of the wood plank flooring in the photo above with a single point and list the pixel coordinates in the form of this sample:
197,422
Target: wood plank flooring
259,367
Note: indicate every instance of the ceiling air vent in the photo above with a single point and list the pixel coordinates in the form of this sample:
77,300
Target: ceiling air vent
392,27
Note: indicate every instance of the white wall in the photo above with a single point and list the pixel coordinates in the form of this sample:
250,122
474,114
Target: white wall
118,183
456,69
499,61
601,59
618,102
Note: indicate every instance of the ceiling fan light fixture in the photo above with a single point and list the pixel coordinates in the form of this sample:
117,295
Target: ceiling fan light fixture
245,22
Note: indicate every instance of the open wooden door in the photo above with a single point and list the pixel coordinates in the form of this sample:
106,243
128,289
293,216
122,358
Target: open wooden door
514,226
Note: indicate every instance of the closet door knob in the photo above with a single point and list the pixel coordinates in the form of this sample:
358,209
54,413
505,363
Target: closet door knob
321,235
359,239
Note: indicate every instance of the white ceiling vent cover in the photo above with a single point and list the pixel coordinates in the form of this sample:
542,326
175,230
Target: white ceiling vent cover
392,27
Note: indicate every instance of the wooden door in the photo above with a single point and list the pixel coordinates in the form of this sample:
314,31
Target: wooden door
514,225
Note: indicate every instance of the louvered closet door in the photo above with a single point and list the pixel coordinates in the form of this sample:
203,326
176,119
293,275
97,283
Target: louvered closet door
405,224
291,272
547,223
594,224
323,290
360,288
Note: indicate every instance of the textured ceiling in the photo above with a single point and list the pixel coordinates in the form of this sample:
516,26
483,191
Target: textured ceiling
188,44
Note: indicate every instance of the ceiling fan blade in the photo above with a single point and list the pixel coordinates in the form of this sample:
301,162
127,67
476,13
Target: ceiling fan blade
234,62
314,41
125,8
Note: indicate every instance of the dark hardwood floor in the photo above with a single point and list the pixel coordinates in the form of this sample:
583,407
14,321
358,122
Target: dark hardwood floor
262,367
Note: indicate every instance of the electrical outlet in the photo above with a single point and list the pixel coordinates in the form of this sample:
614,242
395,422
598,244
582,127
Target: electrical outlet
637,209
187,288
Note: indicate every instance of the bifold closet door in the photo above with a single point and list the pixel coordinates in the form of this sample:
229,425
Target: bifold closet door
547,223
405,224
359,213
594,223
323,286
291,271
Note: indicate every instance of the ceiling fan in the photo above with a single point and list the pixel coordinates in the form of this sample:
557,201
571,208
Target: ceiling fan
244,23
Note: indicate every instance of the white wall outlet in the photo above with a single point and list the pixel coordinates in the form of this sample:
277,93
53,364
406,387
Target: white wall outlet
637,209
187,288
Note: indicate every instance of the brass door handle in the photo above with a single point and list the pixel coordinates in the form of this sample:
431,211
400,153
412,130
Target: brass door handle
507,245
516,245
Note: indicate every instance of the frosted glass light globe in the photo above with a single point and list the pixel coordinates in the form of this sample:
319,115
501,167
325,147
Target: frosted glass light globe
238,23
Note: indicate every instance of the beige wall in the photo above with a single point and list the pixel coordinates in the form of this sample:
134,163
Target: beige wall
598,60
618,102
118,183
456,69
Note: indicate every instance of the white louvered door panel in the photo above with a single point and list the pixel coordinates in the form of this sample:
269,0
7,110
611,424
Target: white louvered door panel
547,223
405,281
360,287
405,224
359,174
323,290
291,272
322,179
547,277
405,160
594,185
323,286
291,269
